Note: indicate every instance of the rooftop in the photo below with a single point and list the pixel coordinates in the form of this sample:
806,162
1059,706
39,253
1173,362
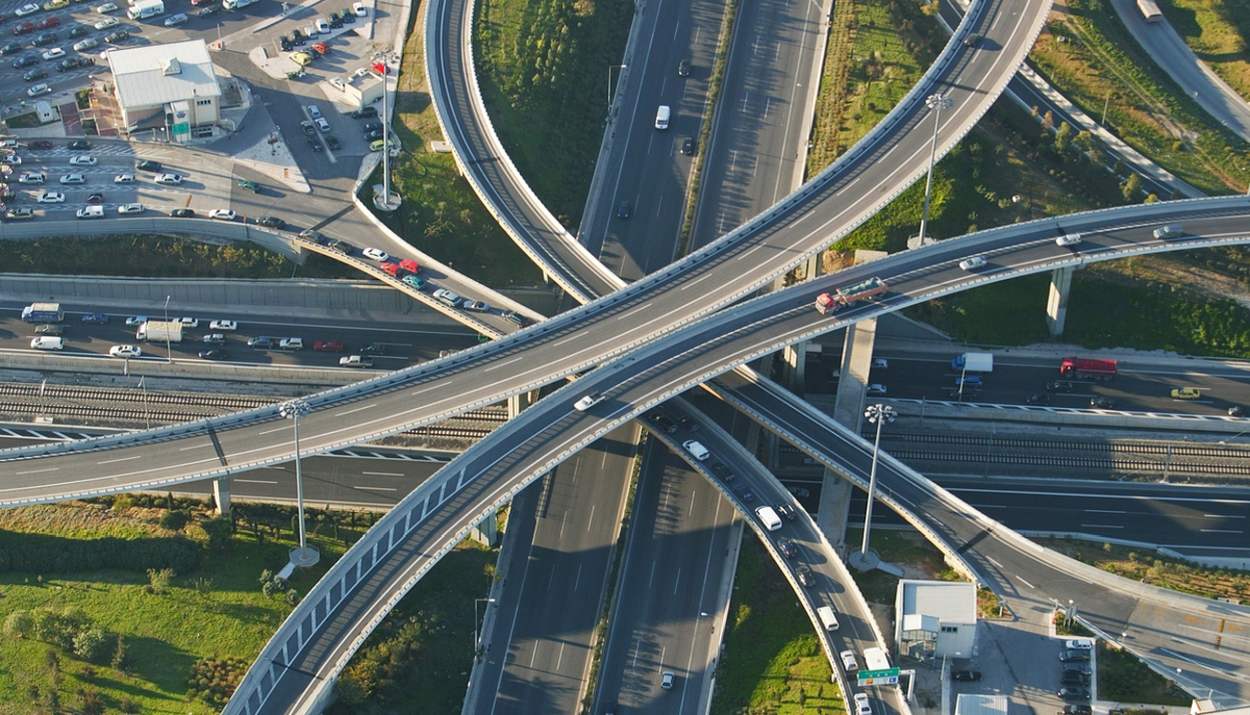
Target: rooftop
157,74
948,601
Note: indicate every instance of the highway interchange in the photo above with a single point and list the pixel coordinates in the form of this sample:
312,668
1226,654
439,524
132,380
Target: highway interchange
619,314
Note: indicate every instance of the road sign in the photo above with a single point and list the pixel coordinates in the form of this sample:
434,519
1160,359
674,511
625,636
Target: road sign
886,676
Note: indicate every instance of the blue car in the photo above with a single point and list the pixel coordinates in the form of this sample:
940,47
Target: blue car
95,318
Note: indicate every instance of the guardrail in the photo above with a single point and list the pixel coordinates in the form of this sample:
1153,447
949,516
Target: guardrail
162,225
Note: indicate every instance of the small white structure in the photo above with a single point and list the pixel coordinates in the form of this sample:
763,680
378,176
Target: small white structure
173,86
935,618
981,704
358,89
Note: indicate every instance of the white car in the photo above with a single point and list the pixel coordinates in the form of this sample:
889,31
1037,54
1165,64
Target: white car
360,9
862,706
130,209
876,388
587,402
447,297
696,449
1066,240
376,254
124,179
214,339
38,89
51,197
29,8
323,27
105,23
90,212
53,54
106,8
291,344
189,322
224,325
222,214
971,264
848,661
12,159
172,179
136,320
477,306
1081,644
47,342
125,351
32,177
314,112
82,160
73,179
86,44
880,364
177,19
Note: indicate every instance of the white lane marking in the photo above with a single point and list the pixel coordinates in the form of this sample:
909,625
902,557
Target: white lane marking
354,410
254,481
194,446
1106,511
377,489
1222,531
630,313
1026,583
574,336
505,363
677,581
591,520
577,580
994,561
120,459
37,471
1104,526
271,431
382,474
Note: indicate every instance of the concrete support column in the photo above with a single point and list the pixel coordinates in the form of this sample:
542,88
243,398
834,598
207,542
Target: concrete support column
1057,302
794,357
487,530
834,509
516,403
221,495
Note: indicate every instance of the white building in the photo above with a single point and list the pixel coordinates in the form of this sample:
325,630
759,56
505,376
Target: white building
172,86
935,618
358,89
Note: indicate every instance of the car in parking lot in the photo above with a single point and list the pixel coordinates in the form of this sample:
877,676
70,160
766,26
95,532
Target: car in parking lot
12,159
208,11
79,31
51,5
333,142
360,9
222,214
377,145
86,44
171,179
105,23
19,213
31,177
1074,656
133,208
125,351
117,36
687,146
1079,644
39,89
9,48
364,113
322,124
966,676
124,179
24,61
666,680
106,8
29,8
303,59
73,179
176,19
182,213
47,38
34,75
1073,692
50,197
70,63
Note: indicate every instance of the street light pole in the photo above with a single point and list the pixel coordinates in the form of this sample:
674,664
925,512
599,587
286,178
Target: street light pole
477,602
878,414
169,353
305,555
937,103
608,102
147,414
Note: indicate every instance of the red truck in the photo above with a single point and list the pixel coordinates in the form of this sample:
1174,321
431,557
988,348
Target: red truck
842,297
1088,368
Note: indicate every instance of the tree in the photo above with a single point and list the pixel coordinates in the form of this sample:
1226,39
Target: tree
91,644
119,655
219,531
1063,137
1130,187
174,520
19,624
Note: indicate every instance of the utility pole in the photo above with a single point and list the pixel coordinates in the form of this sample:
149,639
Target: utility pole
477,602
304,556
879,415
935,102
169,353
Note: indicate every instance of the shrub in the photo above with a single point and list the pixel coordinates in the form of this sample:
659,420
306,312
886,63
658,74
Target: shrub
158,579
219,531
91,644
174,520
59,628
213,680
19,624
91,702
43,553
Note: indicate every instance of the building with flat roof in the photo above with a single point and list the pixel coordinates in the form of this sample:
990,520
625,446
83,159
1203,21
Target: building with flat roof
172,86
935,618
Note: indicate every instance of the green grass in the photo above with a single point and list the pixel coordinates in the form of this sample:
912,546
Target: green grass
1147,109
543,70
440,213
1124,678
1216,30
164,633
162,256
418,659
772,661
1149,568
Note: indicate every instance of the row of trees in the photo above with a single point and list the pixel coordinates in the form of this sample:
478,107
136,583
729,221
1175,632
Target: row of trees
69,629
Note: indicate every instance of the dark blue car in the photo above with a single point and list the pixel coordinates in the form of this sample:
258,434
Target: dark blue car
95,318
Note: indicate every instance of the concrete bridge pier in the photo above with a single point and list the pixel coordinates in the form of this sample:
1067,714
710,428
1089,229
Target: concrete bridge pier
221,495
1057,302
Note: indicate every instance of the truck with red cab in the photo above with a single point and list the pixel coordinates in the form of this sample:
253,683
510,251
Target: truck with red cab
1088,368
842,297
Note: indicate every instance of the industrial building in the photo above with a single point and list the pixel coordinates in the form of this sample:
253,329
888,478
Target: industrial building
935,618
171,86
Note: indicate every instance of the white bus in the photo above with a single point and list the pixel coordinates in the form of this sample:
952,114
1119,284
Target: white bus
1150,10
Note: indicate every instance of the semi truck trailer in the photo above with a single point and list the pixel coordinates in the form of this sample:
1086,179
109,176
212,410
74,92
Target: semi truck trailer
1088,368
43,313
160,331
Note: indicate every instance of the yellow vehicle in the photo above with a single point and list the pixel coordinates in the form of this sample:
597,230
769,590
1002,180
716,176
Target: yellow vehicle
1186,393
55,4
376,145
302,59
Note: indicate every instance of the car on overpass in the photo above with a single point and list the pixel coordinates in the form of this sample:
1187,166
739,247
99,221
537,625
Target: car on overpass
1186,393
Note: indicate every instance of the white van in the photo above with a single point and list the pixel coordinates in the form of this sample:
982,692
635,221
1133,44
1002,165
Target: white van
697,449
95,211
827,618
768,517
47,342
661,116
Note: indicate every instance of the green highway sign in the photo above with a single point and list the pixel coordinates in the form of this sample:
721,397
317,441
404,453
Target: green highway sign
886,676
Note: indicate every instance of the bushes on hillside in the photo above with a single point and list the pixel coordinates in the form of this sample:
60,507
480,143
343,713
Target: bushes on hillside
213,680
69,629
42,553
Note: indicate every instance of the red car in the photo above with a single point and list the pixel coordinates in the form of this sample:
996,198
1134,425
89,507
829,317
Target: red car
24,28
50,21
329,346
410,265
391,269
320,48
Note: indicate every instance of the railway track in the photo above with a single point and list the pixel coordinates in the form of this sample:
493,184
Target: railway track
1114,447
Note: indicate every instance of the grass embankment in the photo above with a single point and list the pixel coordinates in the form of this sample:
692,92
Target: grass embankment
441,214
1152,569
1122,677
1089,55
542,66
1217,32
163,256
418,659
212,607
773,662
